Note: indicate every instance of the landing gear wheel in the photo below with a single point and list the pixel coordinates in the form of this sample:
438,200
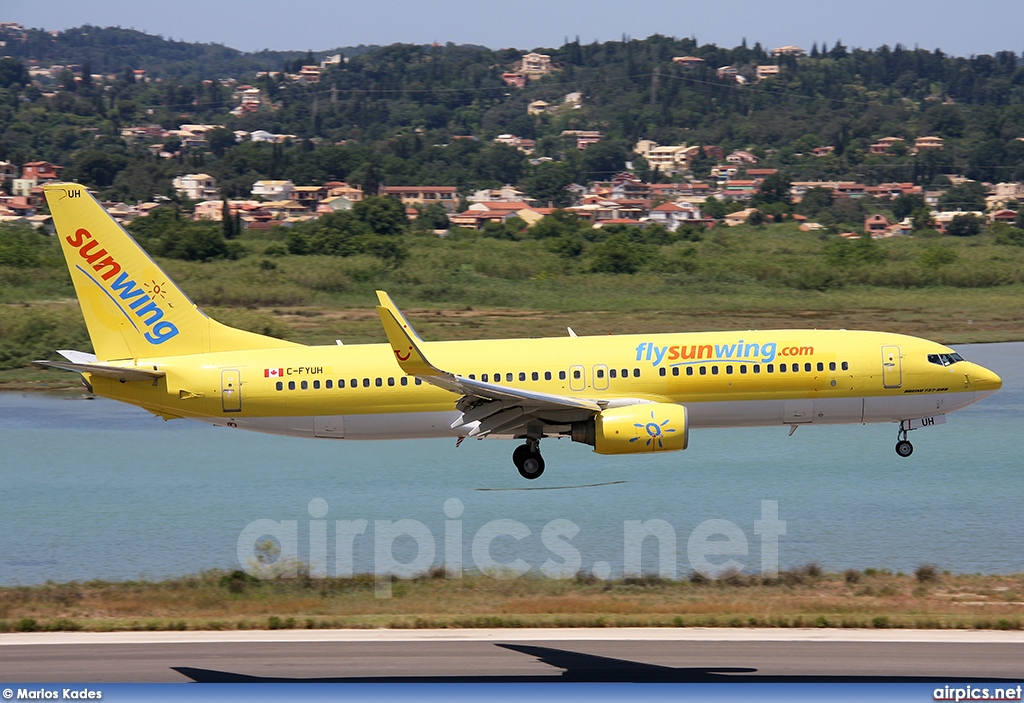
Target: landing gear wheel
904,448
528,460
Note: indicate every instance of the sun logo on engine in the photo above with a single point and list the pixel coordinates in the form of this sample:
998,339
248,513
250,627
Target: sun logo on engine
654,431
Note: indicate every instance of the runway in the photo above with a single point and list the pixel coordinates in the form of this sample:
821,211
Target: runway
506,656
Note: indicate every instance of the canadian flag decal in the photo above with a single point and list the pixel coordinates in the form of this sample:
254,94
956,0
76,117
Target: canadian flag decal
273,373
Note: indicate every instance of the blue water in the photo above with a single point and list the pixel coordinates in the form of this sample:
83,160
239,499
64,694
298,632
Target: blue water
93,489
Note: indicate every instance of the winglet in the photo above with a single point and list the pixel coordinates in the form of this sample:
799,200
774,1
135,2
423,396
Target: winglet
386,302
404,345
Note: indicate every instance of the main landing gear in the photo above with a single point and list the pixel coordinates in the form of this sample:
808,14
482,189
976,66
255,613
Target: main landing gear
903,447
528,460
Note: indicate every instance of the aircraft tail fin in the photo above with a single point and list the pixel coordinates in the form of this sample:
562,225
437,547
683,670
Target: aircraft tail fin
131,307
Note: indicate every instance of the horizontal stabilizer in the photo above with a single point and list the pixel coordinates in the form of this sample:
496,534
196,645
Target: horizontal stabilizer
115,372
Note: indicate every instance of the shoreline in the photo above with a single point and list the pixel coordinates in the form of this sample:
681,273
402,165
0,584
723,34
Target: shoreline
799,599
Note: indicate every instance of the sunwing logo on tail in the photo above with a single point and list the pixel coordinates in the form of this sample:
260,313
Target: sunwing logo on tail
122,289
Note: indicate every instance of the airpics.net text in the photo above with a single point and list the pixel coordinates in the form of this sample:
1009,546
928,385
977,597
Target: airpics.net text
713,548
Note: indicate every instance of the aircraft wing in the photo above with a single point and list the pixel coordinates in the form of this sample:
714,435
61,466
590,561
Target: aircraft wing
487,407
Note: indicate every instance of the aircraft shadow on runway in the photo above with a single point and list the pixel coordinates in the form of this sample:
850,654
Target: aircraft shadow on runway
579,667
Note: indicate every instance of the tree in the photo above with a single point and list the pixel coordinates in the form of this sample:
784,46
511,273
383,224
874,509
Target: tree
965,196
220,140
922,218
815,201
547,184
13,73
617,254
431,217
384,215
906,203
774,189
227,222
964,226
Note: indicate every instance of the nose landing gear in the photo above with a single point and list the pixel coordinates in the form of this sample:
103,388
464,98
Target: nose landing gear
528,460
903,447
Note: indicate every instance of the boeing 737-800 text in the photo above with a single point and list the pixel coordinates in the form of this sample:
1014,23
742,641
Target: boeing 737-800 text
620,394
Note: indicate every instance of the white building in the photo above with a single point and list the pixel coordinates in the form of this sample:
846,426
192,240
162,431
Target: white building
272,190
196,186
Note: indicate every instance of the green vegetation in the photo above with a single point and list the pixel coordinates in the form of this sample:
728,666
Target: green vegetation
803,597
561,272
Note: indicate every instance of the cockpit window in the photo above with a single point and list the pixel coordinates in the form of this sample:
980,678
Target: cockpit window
944,359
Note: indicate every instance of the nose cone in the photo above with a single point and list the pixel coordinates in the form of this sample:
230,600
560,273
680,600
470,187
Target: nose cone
985,382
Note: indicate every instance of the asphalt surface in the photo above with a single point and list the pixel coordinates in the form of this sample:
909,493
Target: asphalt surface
515,656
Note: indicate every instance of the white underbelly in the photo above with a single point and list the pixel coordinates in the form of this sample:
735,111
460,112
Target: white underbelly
825,411
738,413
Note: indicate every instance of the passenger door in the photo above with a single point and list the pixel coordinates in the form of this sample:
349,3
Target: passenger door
600,380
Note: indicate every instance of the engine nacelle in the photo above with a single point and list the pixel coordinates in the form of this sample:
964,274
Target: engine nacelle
636,429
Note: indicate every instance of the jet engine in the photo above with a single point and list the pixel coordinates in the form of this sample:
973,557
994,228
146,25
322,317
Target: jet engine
635,429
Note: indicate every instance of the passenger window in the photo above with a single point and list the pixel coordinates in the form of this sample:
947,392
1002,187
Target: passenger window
831,366
821,366
508,378
522,375
561,375
366,383
547,375
703,370
743,368
675,370
728,369
316,385
782,368
846,366
280,386
341,383
600,373
625,373
419,382
689,370
483,377
378,382
576,374
757,368
662,371
472,377
328,384
405,380
771,368
291,385
305,385
636,373
714,370
355,383
612,373
807,366
796,367
391,380
535,376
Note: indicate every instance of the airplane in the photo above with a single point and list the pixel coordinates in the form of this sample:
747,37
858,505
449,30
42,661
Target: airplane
620,394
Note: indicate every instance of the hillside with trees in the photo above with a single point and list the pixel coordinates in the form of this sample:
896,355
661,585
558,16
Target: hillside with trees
393,114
